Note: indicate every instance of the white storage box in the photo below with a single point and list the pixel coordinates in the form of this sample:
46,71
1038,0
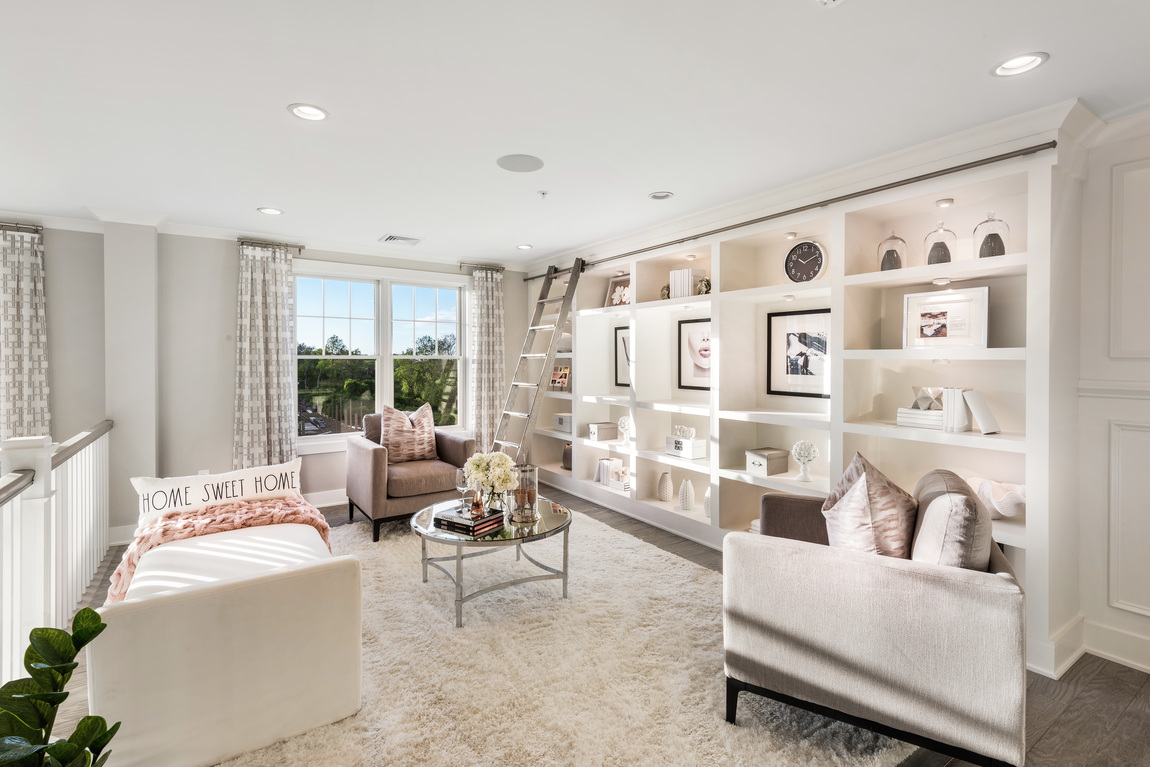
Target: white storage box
765,461
602,431
687,448
561,422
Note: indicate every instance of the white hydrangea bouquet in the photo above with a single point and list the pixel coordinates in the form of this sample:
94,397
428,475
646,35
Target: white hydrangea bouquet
491,472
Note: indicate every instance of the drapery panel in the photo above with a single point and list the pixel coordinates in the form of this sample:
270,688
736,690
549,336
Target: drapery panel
266,413
488,377
23,337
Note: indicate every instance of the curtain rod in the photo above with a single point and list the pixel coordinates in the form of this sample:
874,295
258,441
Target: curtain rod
830,201
495,267
265,243
34,228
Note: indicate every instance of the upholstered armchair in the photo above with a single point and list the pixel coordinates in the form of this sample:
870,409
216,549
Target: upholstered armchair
382,490
927,653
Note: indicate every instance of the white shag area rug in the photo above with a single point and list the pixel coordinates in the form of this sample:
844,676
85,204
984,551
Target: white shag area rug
627,671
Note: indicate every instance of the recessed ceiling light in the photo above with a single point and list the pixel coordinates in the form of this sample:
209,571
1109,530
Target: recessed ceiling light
791,235
519,163
307,111
270,211
1016,65
945,202
524,246
661,195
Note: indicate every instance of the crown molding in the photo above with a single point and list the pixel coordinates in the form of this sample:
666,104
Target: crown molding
54,222
133,217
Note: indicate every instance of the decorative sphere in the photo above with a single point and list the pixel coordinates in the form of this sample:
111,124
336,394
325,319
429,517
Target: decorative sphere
805,452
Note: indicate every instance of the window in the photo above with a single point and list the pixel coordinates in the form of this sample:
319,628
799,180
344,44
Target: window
425,353
336,354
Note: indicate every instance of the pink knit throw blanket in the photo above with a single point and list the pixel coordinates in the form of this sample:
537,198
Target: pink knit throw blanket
176,526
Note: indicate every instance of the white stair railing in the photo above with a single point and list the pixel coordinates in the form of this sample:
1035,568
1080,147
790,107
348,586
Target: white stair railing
53,533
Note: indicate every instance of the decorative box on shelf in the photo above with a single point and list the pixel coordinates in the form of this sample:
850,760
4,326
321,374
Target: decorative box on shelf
765,461
562,422
601,432
687,448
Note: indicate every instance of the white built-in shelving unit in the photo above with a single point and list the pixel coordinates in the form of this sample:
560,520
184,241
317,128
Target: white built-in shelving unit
1019,373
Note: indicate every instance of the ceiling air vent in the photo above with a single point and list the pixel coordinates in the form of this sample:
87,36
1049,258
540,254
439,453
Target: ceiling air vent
399,239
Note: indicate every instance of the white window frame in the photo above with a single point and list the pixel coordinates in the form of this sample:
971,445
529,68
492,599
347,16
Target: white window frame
385,277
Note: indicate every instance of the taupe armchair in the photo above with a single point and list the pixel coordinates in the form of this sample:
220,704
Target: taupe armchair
926,653
383,491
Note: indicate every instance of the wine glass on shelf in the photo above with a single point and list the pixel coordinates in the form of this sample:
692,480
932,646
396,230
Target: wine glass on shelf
462,485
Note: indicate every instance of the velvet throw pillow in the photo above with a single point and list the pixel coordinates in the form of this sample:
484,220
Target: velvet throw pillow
954,527
868,512
408,438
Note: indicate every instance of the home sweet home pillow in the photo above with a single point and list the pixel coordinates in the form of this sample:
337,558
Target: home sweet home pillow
159,496
868,512
408,438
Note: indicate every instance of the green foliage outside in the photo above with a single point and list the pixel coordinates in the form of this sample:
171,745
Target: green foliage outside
28,707
335,394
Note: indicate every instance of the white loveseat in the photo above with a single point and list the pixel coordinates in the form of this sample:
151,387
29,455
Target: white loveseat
228,642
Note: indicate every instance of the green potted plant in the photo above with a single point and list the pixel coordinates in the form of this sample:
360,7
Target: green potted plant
28,706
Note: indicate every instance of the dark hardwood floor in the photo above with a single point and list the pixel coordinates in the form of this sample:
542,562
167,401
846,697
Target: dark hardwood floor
1098,713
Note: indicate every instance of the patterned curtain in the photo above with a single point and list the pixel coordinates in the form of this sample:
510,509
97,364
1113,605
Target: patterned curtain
265,428
23,337
487,356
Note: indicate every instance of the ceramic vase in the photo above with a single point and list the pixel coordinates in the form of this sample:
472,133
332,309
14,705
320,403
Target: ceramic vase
665,487
566,460
686,495
707,503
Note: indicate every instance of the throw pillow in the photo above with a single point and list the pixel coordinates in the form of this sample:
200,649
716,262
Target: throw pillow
408,438
161,495
954,525
868,512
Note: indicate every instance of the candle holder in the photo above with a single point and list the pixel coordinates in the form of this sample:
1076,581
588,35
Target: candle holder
525,497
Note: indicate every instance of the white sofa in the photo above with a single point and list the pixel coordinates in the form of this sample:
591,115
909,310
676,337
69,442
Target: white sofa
225,643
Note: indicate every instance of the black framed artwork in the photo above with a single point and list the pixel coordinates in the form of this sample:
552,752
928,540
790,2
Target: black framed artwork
695,354
623,356
798,359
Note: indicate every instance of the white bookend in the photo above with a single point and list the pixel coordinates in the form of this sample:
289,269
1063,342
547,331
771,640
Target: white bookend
981,411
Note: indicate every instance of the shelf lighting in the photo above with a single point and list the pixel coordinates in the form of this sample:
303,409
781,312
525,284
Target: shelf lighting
791,235
690,256
941,280
945,202
788,297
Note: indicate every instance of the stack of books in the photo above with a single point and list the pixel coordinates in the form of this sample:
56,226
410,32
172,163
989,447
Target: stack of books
460,521
684,281
954,416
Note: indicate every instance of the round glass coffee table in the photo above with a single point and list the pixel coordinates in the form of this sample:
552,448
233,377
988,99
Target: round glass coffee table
553,518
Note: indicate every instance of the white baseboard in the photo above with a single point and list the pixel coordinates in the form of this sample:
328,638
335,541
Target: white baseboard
1054,656
323,498
121,534
1131,650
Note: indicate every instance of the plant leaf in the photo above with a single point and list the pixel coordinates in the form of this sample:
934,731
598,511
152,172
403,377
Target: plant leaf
10,725
101,741
54,645
86,626
30,712
89,728
33,658
102,759
51,698
63,751
13,748
82,760
51,678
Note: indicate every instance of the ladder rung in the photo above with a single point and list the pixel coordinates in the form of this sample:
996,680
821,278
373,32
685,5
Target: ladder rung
534,356
516,415
554,300
541,327
525,385
505,442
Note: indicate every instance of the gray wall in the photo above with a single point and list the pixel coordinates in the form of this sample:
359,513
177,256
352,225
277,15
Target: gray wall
74,284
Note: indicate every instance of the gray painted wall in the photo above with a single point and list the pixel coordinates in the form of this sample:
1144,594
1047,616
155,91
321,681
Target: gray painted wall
74,284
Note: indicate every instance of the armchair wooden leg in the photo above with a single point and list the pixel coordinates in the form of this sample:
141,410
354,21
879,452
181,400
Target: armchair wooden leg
734,687
350,510
375,525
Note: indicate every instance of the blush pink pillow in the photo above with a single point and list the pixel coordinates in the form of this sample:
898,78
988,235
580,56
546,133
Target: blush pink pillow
868,512
408,438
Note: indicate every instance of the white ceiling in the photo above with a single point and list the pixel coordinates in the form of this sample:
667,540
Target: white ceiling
179,109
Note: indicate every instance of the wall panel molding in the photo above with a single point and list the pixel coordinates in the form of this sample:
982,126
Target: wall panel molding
1129,259
1129,568
1112,389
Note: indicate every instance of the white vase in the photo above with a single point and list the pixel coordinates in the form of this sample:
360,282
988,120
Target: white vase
686,495
665,487
707,502
804,472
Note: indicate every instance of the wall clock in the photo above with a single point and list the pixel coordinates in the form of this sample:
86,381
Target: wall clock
805,261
